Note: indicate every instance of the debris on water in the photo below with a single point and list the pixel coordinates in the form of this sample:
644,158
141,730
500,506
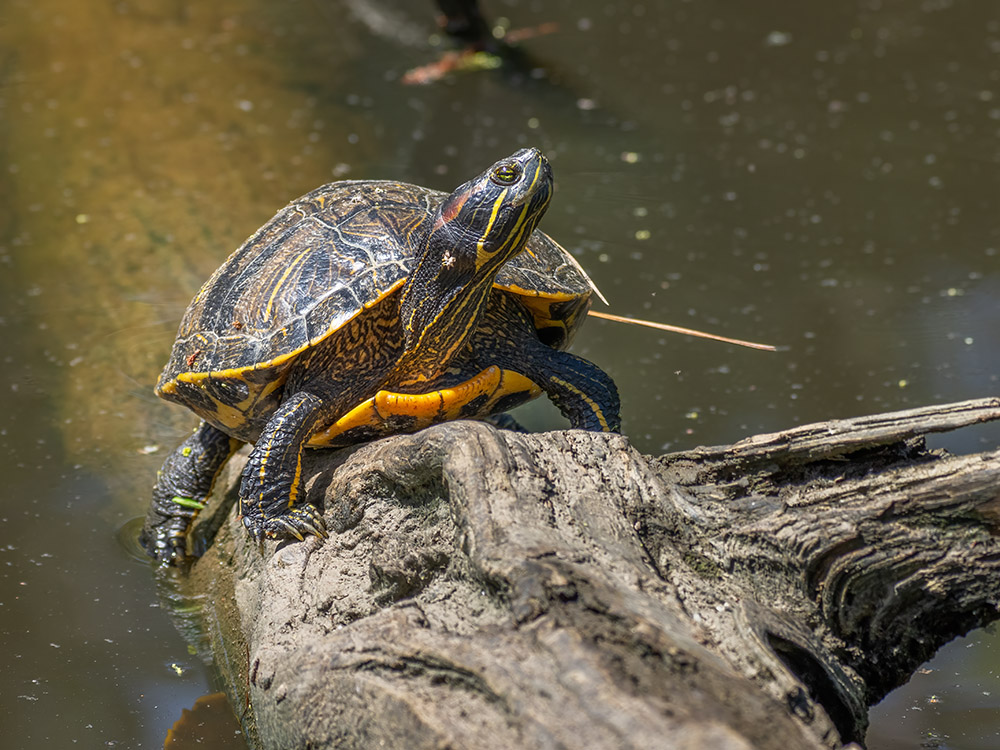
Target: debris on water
778,39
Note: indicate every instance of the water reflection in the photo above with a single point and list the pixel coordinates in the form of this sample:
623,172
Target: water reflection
822,177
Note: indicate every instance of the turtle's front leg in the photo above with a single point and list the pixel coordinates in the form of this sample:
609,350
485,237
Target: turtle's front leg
583,392
272,478
182,485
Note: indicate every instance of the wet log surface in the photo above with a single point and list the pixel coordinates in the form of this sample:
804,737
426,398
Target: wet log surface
484,588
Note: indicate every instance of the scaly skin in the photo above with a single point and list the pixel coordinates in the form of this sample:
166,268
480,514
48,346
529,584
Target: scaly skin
272,481
182,485
584,393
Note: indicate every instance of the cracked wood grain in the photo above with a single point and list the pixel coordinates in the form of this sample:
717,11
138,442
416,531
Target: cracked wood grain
485,588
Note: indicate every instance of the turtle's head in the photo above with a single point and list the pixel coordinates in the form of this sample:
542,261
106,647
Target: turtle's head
488,220
479,227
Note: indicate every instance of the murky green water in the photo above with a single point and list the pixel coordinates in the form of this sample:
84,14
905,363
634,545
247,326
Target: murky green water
821,176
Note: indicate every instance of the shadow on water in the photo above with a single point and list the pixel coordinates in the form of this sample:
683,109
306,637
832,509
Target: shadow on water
822,178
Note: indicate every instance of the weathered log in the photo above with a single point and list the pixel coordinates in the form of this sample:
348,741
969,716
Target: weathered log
484,588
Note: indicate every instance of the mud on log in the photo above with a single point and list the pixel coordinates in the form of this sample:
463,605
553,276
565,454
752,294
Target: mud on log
483,588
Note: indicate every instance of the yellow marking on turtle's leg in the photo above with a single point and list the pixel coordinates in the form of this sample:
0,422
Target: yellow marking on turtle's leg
512,381
436,403
359,416
594,406
439,405
293,493
275,429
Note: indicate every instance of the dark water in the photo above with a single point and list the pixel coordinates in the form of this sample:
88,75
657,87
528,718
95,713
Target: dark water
820,176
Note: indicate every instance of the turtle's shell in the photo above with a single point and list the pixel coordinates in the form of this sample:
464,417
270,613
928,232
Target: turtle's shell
321,261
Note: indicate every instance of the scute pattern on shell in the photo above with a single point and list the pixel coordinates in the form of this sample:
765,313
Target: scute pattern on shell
320,261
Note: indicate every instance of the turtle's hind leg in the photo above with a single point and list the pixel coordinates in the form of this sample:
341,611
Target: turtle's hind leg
182,485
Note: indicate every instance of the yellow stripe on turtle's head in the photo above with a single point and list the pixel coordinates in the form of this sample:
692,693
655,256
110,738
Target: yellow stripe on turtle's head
479,227
493,215
515,212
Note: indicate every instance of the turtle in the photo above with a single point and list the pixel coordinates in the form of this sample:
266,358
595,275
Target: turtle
365,309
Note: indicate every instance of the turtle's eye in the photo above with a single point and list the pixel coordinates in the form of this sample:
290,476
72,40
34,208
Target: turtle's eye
507,174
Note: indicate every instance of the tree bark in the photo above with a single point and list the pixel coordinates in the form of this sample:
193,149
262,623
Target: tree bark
485,588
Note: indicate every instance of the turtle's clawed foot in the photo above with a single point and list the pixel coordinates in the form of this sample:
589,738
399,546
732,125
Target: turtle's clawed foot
167,544
295,523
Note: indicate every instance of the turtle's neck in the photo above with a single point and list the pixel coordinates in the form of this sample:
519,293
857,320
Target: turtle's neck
441,304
